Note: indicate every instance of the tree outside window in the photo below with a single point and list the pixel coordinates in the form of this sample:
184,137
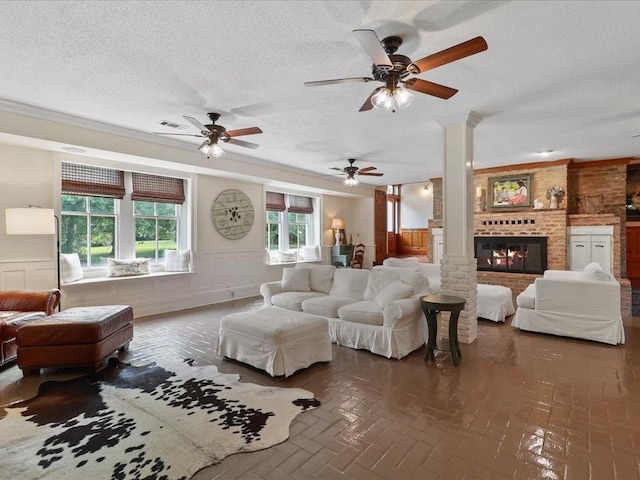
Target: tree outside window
298,230
88,228
156,229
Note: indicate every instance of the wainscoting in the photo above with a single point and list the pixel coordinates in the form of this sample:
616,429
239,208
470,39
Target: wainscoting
413,241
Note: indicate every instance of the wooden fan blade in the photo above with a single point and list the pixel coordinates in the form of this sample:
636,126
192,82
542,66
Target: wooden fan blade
371,43
430,88
339,80
183,134
371,174
367,105
451,54
366,169
195,122
243,131
242,143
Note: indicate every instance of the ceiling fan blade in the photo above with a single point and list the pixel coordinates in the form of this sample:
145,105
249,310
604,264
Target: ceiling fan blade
243,131
366,169
451,54
371,174
430,88
206,142
367,105
242,143
183,134
371,43
200,126
339,80
336,168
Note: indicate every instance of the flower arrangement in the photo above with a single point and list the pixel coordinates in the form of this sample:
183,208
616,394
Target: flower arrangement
556,191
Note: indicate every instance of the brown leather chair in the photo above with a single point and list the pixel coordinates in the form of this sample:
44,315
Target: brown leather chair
18,307
358,256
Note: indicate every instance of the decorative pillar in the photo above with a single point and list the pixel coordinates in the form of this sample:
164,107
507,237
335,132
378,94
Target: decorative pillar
458,265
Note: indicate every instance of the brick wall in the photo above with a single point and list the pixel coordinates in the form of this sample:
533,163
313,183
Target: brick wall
577,179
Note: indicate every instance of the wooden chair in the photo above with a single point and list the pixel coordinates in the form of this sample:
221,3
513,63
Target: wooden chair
358,256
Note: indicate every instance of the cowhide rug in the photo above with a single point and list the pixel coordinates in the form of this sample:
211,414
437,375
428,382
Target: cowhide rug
163,421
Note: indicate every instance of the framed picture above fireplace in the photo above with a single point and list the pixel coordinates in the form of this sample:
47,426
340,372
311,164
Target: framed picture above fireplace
508,192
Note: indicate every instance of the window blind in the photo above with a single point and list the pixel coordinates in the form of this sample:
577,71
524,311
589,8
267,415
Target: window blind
92,181
275,202
155,188
298,204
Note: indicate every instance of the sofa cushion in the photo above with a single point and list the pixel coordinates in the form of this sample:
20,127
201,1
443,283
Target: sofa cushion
366,311
326,306
295,280
394,291
70,268
381,277
293,300
349,282
320,276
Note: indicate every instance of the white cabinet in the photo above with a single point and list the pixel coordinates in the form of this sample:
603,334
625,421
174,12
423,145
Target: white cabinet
437,236
590,244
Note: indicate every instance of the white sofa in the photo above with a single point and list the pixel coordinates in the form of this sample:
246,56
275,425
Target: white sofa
575,304
376,310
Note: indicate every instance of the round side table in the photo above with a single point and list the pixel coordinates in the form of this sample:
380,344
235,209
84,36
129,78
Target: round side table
431,305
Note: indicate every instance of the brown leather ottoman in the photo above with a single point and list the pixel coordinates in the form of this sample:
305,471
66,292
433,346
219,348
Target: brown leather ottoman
76,337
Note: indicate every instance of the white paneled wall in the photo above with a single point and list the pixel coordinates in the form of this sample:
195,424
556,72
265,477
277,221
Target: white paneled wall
218,277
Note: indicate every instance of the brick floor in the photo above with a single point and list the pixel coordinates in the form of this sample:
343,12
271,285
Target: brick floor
519,406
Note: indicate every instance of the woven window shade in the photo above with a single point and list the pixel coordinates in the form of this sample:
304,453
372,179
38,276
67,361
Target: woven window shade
275,202
92,181
299,204
154,188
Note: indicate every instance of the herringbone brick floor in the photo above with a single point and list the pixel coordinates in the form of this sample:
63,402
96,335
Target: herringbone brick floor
519,406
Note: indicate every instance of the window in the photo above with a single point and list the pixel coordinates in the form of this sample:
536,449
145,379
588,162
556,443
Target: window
291,225
89,228
99,221
156,227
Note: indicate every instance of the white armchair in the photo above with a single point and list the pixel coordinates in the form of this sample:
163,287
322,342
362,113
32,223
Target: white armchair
573,304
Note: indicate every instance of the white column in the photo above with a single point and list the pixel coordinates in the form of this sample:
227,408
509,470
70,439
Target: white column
458,266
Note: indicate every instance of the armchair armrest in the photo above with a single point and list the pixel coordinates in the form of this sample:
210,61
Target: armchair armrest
267,290
28,301
578,297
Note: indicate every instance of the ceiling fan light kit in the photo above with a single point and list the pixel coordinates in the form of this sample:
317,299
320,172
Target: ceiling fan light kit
387,100
351,181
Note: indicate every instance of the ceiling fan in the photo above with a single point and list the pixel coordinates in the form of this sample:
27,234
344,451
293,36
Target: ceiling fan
393,69
217,133
351,171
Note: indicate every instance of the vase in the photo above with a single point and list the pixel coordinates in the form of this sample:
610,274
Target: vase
554,202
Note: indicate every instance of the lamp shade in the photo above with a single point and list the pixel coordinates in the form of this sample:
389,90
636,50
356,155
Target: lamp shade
337,223
30,221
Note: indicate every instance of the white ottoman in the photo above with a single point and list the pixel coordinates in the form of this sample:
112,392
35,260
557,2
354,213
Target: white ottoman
494,302
276,340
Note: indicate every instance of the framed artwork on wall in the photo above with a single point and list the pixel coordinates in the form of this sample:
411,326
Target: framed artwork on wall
508,192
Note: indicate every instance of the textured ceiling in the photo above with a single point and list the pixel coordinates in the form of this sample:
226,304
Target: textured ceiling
559,76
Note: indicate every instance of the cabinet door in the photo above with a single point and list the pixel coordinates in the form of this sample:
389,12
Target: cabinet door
601,251
438,248
579,252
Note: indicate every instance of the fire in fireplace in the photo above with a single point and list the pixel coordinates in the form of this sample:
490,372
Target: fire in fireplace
511,254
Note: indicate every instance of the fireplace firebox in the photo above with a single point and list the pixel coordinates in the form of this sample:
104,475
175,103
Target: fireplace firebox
511,254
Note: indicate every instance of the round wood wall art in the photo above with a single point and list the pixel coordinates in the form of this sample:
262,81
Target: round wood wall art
232,214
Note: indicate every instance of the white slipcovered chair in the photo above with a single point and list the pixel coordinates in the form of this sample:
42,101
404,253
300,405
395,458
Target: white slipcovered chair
575,304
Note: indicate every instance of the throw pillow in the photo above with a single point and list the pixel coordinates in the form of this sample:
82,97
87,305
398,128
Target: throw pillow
410,262
320,276
70,268
349,282
395,291
594,271
295,280
127,268
288,256
177,260
381,277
